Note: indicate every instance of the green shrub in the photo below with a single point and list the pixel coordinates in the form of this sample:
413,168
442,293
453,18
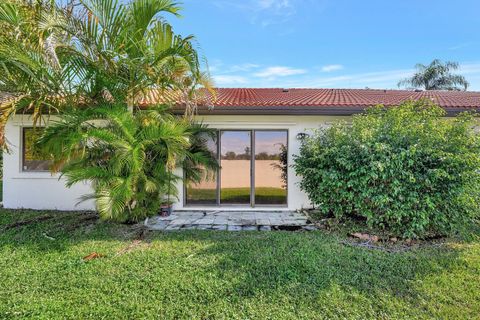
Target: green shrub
408,170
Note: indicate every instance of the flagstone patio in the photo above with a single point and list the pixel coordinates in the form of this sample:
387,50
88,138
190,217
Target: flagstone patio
231,221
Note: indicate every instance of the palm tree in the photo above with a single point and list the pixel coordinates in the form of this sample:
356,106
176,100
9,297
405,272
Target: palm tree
91,62
91,52
436,76
130,158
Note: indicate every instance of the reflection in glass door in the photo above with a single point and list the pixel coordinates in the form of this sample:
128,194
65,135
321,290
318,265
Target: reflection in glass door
270,167
205,192
235,162
244,179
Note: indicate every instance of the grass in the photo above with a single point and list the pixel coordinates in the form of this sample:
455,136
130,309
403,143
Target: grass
222,275
263,195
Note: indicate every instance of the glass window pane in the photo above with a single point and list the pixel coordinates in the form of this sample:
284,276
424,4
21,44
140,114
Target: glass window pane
271,167
205,192
236,167
33,158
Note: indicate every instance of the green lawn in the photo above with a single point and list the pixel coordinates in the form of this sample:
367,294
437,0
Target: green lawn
221,275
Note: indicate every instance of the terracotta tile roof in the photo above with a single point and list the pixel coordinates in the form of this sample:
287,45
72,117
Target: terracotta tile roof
275,98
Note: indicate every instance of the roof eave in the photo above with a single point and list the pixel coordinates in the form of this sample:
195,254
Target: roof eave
299,111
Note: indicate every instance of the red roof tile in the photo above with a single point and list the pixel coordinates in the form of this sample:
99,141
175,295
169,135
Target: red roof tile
272,98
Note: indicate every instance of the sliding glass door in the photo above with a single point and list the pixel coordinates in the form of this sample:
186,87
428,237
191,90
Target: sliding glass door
205,193
235,161
270,167
253,170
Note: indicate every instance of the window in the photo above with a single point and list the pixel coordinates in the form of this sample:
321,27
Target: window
32,158
253,170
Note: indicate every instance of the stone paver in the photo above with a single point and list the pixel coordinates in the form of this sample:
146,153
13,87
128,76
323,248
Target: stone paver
234,228
221,227
231,221
263,222
158,225
172,227
204,226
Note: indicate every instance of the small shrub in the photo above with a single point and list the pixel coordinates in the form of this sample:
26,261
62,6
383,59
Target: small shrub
408,169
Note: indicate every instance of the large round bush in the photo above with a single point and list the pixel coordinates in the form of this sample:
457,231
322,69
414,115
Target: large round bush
408,169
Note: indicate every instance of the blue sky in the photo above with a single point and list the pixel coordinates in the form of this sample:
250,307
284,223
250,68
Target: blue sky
331,43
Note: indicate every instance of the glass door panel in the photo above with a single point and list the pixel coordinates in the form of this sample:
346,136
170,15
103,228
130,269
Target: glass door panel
204,192
235,162
271,167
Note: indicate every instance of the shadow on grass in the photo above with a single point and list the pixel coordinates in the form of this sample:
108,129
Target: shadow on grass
310,262
302,267
56,230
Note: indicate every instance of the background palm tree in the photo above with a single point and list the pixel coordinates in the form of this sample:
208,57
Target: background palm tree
436,76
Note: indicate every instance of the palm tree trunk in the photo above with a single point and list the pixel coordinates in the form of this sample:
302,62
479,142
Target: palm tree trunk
130,101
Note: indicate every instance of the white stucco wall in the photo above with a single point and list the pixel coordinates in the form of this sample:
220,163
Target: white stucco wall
35,190
42,190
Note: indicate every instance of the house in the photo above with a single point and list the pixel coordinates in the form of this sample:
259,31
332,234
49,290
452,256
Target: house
259,131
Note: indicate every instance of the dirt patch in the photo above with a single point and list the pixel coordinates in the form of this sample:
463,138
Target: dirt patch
365,236
82,221
26,222
287,228
394,247
355,233
134,245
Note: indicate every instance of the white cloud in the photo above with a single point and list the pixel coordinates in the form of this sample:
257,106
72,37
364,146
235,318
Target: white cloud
215,65
229,80
470,68
274,4
381,79
332,67
263,12
218,67
279,71
286,77
461,45
243,67
388,79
